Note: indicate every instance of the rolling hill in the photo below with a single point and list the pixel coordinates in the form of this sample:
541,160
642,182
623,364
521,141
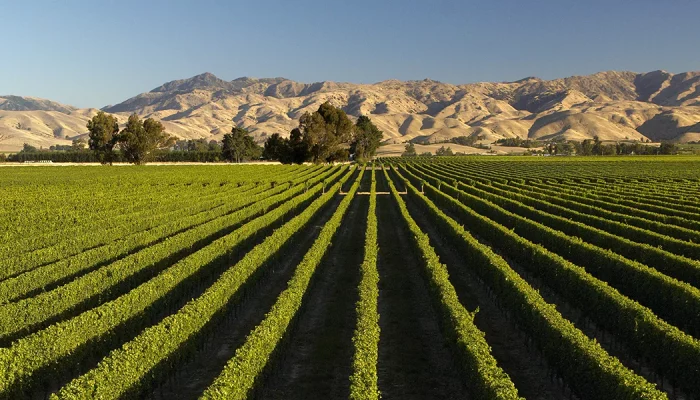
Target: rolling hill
611,105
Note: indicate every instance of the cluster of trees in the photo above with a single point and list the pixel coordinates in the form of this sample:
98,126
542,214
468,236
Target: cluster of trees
595,147
518,142
326,135
138,141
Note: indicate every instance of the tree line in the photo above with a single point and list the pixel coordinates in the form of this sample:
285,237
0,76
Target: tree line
324,136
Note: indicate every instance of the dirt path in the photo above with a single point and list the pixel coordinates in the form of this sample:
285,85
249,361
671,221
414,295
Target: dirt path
415,362
190,379
316,361
526,367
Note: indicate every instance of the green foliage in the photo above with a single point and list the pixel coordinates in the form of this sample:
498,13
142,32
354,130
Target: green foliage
327,133
27,148
241,372
69,337
78,144
366,139
140,139
410,150
239,146
586,366
276,148
363,381
606,306
485,377
442,151
103,136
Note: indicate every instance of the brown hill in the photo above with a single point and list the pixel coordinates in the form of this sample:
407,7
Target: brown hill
611,105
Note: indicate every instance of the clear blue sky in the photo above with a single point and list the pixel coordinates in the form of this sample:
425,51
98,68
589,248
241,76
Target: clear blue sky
99,52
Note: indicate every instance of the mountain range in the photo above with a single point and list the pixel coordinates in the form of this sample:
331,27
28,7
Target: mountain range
656,106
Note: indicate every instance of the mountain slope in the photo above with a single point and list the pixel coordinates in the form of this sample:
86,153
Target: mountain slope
611,105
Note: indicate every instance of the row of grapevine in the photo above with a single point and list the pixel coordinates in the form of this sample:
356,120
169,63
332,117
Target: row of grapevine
165,226
41,213
107,225
241,372
363,381
29,314
29,364
673,201
632,323
680,240
675,301
614,228
485,377
650,208
611,201
652,227
682,268
586,366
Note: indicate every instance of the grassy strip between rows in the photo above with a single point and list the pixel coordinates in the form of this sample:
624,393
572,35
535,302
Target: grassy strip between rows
363,381
485,378
241,372
28,313
670,351
675,301
38,358
586,367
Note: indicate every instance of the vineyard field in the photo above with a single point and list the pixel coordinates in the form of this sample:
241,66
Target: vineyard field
406,278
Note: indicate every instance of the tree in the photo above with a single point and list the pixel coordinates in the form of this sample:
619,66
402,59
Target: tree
299,151
27,148
104,135
586,148
239,145
140,139
597,146
410,150
442,151
366,139
326,132
78,144
668,148
276,148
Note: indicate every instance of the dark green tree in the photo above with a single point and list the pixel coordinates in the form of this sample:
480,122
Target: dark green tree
78,144
326,132
597,149
28,148
276,148
140,139
442,151
104,135
410,150
586,148
667,148
239,146
366,139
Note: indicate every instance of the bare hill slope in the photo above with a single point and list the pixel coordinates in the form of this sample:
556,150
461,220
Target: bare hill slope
611,105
